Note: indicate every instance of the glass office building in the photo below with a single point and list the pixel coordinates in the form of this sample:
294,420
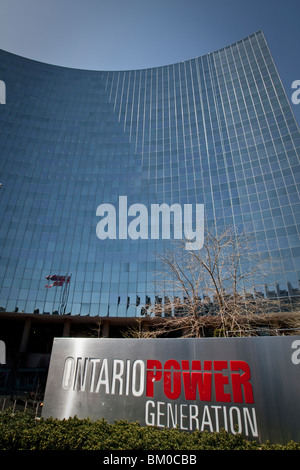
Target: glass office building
216,130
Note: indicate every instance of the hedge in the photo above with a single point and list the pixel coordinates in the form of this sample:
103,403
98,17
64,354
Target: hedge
21,431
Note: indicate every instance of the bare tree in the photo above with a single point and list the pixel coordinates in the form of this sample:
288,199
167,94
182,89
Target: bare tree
214,288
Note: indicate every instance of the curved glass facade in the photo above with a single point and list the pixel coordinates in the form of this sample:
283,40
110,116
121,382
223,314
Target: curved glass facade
217,130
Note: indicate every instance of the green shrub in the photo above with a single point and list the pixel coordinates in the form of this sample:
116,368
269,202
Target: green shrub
21,431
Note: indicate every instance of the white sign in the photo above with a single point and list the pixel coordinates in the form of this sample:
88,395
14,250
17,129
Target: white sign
2,92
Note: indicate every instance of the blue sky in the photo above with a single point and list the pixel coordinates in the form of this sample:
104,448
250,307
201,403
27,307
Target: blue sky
132,34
